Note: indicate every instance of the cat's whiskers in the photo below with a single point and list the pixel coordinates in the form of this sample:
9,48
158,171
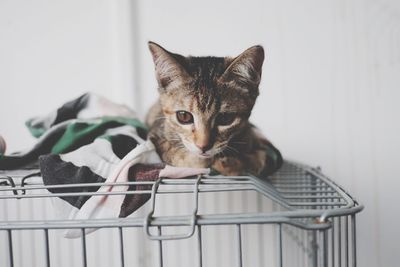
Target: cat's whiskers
220,149
232,149
238,142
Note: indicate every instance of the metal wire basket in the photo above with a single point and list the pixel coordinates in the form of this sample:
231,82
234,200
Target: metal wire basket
311,221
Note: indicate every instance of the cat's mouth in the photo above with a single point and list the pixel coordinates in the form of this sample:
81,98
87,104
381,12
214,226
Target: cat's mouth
194,150
205,155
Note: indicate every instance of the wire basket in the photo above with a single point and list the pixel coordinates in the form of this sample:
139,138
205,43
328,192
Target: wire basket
301,218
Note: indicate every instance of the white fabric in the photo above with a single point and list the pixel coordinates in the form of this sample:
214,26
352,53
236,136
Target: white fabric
98,106
109,206
98,156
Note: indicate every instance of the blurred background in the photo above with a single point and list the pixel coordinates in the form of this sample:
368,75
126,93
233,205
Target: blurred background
329,95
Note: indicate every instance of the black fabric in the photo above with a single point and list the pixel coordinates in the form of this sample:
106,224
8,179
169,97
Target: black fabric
57,172
142,132
122,144
71,109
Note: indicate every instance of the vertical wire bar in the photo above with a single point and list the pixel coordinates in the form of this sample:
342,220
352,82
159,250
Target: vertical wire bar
306,249
324,248
280,244
353,240
200,246
346,243
303,240
309,249
295,232
121,243
314,245
333,242
10,248
46,241
160,249
84,256
340,241
319,248
297,245
307,255
239,240
314,242
332,200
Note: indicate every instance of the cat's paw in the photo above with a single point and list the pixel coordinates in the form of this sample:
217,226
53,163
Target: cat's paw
228,166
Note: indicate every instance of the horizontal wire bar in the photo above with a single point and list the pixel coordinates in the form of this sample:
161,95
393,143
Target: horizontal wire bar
167,221
301,186
290,217
135,192
312,197
317,204
294,182
307,191
184,181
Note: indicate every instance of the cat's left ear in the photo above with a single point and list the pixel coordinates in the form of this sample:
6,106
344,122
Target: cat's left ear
246,68
168,66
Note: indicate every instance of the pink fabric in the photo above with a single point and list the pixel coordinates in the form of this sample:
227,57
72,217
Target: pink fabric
181,172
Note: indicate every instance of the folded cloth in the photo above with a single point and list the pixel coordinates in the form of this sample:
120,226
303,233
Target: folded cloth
76,123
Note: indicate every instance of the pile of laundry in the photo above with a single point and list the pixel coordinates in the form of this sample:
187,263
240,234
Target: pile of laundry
93,140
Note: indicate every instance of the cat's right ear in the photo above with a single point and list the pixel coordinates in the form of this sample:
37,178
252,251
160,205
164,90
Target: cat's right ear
169,71
246,68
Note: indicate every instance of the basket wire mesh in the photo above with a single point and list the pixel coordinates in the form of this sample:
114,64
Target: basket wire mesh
313,218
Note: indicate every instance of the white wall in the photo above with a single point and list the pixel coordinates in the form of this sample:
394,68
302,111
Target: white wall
52,51
329,94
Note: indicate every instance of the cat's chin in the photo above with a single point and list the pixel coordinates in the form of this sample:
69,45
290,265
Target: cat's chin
204,155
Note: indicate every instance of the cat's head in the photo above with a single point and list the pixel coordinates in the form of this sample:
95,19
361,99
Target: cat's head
207,101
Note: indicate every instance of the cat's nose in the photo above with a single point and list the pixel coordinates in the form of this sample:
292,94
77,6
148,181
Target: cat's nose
202,140
203,146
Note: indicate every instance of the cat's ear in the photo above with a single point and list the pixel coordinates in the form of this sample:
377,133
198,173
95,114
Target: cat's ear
246,68
168,67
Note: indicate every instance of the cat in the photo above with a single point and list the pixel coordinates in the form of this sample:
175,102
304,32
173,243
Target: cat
201,116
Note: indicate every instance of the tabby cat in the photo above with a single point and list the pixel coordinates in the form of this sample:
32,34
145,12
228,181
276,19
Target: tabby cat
201,116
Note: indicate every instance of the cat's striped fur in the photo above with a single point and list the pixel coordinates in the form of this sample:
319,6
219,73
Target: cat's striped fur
214,97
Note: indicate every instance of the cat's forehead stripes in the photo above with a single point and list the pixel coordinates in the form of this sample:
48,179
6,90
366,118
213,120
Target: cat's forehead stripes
205,72
206,99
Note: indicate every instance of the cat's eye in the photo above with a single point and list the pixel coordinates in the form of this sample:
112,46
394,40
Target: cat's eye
184,117
224,119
